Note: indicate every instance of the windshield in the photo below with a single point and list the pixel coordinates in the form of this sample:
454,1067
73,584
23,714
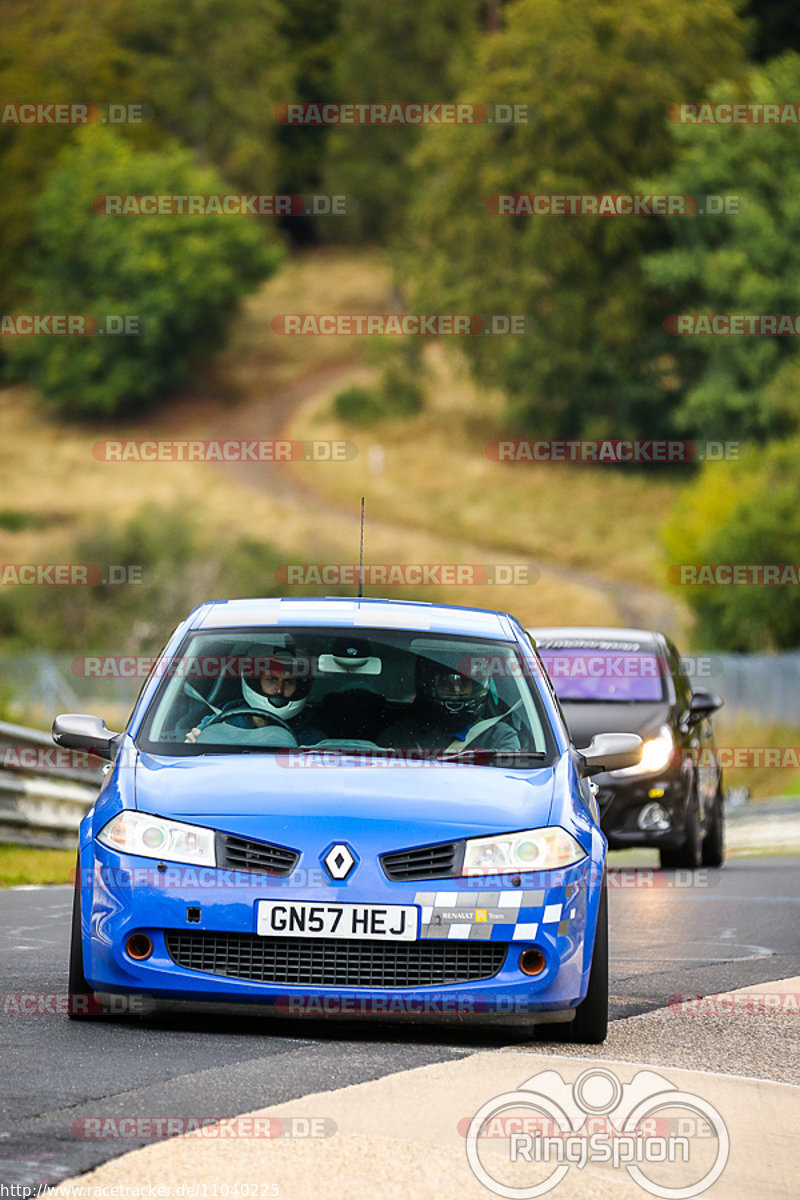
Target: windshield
387,692
583,674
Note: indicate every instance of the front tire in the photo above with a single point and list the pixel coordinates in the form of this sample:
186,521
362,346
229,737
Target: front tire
689,855
82,1004
714,841
590,1024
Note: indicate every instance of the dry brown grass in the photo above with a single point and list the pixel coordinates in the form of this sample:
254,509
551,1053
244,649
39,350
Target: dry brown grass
437,476
438,500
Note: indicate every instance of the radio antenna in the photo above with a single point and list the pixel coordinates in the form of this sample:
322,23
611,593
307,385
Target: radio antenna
361,555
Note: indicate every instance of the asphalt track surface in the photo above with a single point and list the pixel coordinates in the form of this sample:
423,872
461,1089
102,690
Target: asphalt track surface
669,934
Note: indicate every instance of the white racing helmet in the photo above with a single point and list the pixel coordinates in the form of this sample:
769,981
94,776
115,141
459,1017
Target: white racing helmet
285,663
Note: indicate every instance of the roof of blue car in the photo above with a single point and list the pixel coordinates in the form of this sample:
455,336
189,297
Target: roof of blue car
351,612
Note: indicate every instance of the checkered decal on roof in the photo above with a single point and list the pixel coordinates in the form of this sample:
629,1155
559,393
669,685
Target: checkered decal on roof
512,915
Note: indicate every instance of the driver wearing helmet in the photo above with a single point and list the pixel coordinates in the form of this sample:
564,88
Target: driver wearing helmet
276,694
452,710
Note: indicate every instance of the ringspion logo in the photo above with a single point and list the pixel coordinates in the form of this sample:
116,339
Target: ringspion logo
640,1126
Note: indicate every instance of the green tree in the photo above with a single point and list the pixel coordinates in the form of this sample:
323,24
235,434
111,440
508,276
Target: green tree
309,29
181,276
746,263
400,53
211,71
741,513
599,76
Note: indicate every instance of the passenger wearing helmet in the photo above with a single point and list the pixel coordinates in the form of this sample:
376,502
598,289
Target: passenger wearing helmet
452,710
275,694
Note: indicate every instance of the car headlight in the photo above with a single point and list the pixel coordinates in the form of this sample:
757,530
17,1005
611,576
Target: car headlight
531,850
656,755
152,837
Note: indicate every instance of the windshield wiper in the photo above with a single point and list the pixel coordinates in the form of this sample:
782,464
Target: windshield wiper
487,757
495,757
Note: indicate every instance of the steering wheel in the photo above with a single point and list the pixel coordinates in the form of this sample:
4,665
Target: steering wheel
245,709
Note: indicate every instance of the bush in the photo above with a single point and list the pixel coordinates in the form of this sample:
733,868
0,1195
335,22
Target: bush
401,394
358,405
397,395
742,513
181,276
171,564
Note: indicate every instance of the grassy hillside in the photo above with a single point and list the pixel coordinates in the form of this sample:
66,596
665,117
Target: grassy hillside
592,533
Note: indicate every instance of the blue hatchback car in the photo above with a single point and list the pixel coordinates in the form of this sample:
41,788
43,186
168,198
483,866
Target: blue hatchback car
346,807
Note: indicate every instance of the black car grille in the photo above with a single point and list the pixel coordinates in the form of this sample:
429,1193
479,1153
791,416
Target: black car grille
424,862
259,858
335,962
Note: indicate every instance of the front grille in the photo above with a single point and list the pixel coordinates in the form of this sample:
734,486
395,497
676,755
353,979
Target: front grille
260,858
424,862
335,962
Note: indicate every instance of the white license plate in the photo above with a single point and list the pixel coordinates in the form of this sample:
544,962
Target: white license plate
282,918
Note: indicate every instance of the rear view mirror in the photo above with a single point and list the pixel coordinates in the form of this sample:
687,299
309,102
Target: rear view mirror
610,752
703,704
80,731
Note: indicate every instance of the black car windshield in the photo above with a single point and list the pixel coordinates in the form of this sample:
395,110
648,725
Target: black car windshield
602,676
376,692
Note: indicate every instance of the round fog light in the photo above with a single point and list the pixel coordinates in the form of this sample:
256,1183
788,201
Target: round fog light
139,946
532,962
654,816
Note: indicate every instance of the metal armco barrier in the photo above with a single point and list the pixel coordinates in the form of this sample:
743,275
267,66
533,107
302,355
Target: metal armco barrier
41,804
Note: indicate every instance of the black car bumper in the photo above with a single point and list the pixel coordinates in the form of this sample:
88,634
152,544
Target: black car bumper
624,805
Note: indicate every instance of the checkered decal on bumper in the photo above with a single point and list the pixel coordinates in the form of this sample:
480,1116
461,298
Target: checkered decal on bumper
515,916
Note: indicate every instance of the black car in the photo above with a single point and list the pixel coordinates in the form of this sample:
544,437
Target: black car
633,680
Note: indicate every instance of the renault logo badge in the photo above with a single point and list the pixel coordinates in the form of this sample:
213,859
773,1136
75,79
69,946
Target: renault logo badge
339,861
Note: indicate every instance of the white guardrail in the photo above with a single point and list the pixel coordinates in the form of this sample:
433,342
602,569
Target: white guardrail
41,799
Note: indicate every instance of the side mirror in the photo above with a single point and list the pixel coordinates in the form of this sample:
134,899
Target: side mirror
703,704
79,731
610,752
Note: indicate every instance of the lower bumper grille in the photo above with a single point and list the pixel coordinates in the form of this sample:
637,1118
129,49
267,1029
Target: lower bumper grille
335,962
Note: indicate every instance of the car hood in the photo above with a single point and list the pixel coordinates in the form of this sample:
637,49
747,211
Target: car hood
585,720
259,796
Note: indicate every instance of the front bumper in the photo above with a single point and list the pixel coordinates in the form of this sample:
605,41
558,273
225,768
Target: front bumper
554,912
621,801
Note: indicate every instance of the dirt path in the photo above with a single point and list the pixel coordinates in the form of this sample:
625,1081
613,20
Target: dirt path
271,416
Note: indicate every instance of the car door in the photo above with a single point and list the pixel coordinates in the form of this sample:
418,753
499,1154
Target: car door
698,738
